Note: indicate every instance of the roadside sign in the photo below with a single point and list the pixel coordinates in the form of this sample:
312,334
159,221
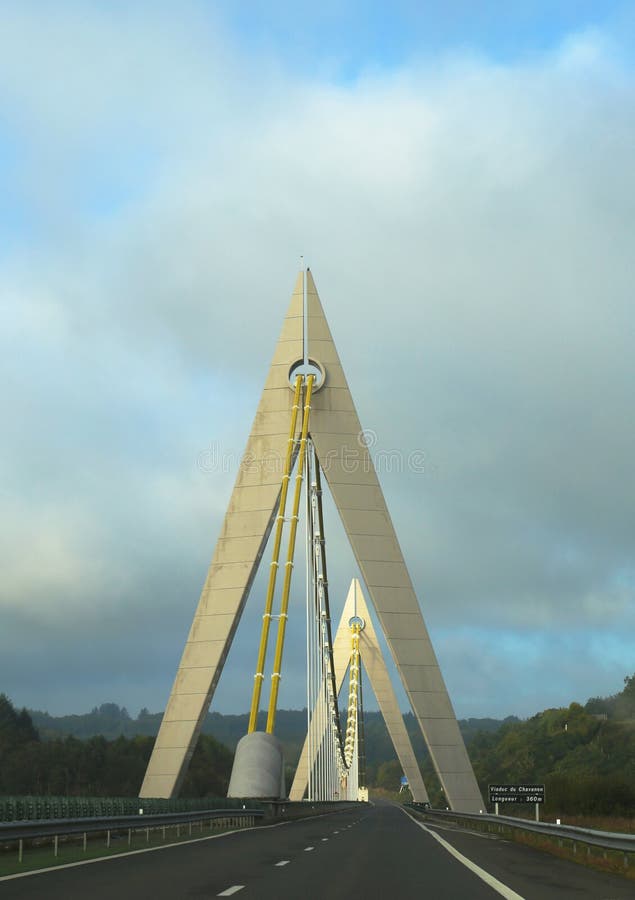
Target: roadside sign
516,793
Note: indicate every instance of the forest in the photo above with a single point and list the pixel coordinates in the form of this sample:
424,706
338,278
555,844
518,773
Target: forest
96,766
584,754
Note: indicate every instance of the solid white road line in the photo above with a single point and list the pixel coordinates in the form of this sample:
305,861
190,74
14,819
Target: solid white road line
231,890
283,862
494,883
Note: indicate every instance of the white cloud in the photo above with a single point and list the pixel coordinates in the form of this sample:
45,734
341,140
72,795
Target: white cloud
469,227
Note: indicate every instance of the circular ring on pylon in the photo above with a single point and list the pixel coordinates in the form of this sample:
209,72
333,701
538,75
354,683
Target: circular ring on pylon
312,367
357,620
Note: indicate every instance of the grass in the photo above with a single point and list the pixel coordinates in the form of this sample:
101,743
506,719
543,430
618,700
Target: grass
620,824
615,862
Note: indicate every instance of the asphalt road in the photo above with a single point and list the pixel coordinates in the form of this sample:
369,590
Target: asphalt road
377,852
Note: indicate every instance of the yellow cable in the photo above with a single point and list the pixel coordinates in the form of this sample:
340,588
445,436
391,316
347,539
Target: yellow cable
284,604
273,571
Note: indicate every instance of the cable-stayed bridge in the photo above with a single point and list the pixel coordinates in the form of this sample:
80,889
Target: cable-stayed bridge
306,431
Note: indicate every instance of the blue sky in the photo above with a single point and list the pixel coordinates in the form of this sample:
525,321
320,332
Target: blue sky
461,179
354,37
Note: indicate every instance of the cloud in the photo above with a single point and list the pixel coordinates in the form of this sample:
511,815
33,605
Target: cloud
468,223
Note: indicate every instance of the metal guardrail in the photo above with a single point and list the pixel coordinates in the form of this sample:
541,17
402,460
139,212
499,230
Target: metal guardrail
279,809
34,830
608,840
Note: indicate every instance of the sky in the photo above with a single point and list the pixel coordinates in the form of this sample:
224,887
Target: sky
461,179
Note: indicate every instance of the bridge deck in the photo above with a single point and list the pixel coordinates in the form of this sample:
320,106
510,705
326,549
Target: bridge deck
375,852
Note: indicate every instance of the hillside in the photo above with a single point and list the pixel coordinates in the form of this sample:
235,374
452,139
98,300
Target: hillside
111,721
94,767
584,754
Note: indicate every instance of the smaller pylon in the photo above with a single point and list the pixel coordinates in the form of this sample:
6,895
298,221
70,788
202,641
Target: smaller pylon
377,672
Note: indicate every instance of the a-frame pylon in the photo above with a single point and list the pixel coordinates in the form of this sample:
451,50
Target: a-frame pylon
373,662
348,467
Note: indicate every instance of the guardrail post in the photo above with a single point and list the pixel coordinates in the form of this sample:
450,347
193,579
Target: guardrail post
190,828
84,842
147,835
55,845
129,836
20,850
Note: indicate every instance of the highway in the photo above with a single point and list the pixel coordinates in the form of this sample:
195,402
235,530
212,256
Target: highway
370,852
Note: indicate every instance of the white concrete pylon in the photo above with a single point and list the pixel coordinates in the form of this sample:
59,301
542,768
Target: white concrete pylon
347,465
377,672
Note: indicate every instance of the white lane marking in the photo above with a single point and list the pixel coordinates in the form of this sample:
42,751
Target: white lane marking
325,839
336,832
306,849
231,890
494,883
283,862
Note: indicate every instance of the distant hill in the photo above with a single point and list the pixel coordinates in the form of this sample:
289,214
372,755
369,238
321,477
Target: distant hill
94,767
111,721
584,754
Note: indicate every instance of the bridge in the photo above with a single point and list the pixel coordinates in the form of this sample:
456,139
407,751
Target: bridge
306,431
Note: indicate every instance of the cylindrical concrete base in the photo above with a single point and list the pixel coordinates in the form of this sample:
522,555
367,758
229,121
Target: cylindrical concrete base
258,769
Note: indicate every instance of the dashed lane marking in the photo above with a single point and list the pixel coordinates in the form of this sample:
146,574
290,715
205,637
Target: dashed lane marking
283,862
325,839
306,849
231,890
